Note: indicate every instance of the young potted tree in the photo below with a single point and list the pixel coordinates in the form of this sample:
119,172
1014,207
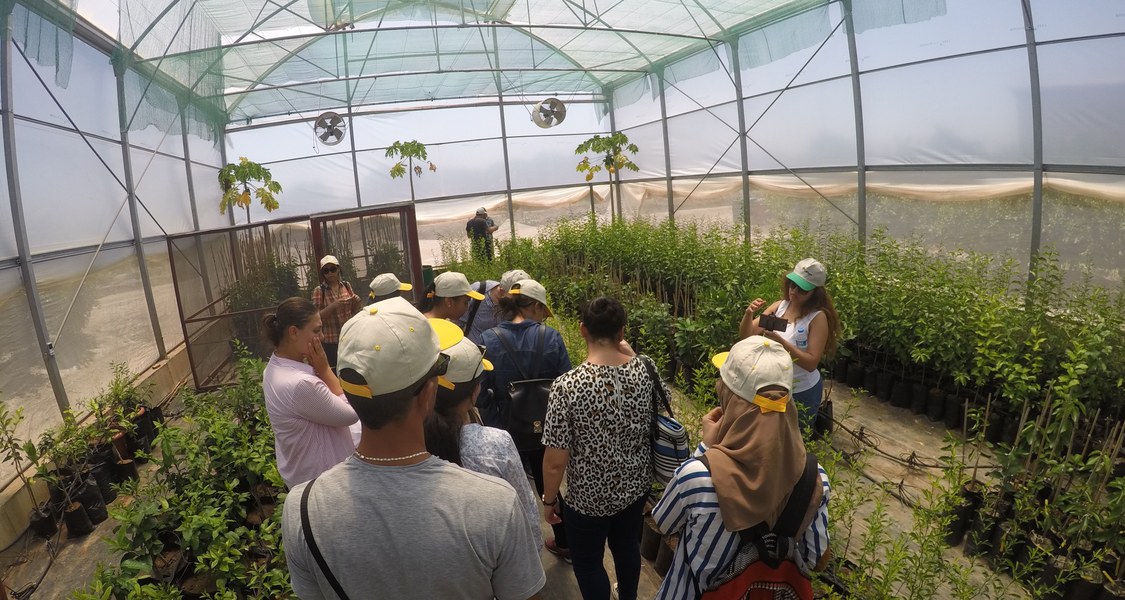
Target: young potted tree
42,521
607,152
407,153
239,180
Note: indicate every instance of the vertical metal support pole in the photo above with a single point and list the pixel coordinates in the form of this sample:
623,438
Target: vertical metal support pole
134,215
223,160
860,147
504,137
367,248
740,105
593,208
1036,140
614,182
667,151
19,224
199,257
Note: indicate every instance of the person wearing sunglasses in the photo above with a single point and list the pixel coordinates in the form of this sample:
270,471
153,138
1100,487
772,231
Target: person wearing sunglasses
392,520
810,334
454,432
336,302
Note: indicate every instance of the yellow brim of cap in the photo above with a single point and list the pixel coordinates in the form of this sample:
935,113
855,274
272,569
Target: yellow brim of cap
486,364
445,383
475,295
405,287
719,359
448,333
356,390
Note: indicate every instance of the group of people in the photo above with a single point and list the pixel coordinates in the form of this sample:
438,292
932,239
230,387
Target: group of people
398,415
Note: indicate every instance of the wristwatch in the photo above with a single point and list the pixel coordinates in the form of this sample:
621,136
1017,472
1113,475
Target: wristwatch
545,503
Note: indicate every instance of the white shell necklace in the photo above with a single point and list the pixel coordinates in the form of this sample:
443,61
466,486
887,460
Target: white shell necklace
396,458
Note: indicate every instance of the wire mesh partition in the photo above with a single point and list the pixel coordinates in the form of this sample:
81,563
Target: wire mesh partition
368,242
226,280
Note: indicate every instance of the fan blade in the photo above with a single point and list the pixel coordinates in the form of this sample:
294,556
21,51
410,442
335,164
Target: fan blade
335,120
325,135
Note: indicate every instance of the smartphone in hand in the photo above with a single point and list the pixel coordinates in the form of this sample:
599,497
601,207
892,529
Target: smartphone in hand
772,323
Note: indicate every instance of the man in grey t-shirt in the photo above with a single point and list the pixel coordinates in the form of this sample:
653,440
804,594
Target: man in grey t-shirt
392,521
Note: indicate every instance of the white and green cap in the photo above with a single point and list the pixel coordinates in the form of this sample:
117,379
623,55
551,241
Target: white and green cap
809,274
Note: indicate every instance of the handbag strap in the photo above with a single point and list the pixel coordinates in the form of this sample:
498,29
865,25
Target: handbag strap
476,307
503,337
657,387
794,511
311,541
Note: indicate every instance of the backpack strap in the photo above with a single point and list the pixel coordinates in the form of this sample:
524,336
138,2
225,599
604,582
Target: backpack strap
539,345
503,337
475,308
794,511
311,541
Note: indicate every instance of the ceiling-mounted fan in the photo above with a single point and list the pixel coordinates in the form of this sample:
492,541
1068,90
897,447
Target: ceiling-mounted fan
329,127
548,113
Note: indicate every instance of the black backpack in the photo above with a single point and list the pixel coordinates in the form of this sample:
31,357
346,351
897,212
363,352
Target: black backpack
527,404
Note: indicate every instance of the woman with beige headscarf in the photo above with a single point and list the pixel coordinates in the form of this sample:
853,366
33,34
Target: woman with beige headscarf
752,443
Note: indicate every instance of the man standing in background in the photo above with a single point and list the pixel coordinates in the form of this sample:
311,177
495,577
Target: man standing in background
480,229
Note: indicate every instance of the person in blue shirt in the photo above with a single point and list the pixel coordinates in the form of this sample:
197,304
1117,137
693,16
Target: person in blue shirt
524,309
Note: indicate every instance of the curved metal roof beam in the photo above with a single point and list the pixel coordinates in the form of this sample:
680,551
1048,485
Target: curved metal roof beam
521,29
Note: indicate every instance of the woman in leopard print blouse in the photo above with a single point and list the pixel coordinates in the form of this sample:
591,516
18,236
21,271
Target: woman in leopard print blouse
598,431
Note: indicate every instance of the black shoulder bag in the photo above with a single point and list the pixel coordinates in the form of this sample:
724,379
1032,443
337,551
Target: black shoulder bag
475,308
527,397
311,541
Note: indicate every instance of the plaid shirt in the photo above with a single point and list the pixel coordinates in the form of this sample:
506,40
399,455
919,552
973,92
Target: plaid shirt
331,324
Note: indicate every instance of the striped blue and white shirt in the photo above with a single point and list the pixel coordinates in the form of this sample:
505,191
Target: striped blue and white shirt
690,507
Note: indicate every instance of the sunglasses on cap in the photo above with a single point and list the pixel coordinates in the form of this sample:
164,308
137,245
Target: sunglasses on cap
330,269
440,368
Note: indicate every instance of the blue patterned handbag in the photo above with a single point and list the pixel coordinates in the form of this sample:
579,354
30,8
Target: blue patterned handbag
670,445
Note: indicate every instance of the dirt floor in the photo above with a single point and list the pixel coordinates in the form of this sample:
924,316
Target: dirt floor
897,432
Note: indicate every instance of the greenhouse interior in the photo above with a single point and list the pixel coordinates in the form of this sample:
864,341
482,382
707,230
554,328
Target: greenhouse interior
950,164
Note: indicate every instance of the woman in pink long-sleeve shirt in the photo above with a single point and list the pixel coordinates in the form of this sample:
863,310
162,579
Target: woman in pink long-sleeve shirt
307,408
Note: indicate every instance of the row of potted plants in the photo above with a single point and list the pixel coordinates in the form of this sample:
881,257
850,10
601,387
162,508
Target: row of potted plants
203,523
79,462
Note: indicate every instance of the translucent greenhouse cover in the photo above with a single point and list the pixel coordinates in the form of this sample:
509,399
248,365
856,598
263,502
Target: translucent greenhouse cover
257,59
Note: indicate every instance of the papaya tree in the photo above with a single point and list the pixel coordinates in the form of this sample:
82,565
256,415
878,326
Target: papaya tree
407,153
608,152
239,180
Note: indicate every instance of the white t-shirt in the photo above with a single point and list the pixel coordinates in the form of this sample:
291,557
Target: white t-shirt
310,423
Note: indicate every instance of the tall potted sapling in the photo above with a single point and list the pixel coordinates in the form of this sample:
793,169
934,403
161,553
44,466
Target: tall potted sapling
42,521
407,153
608,152
239,180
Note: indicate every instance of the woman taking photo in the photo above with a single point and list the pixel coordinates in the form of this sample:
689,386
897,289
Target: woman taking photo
308,411
598,432
452,435
447,297
513,347
336,302
810,334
